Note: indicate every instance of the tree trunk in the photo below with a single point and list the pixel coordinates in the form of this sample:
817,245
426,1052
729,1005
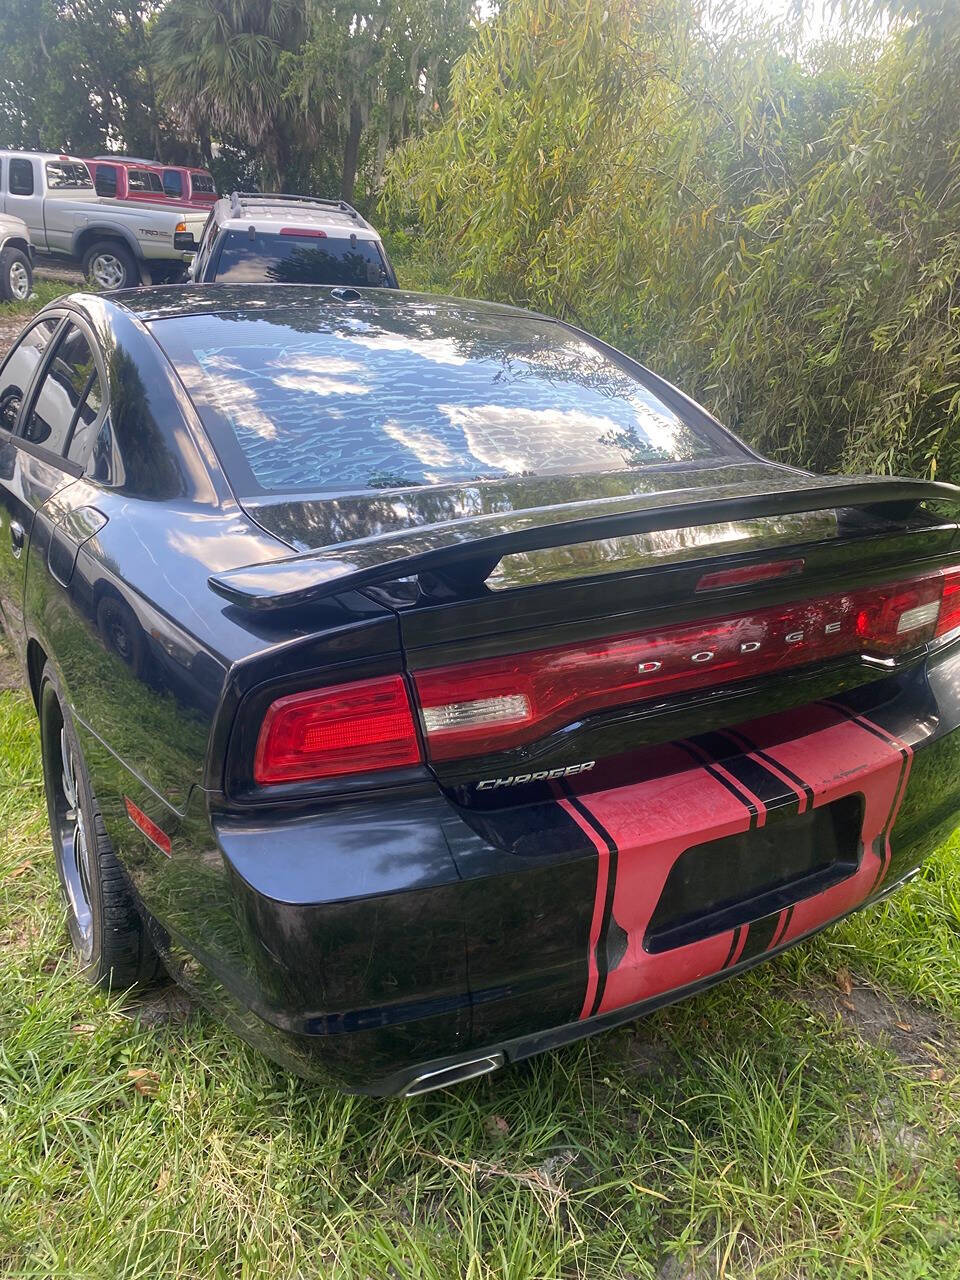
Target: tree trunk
351,152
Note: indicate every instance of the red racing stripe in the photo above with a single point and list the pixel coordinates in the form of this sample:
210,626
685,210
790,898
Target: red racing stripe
685,796
651,823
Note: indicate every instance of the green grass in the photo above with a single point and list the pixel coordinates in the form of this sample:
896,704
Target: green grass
751,1131
44,291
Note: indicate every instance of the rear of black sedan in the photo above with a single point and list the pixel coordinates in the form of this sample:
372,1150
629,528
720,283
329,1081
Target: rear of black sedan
451,687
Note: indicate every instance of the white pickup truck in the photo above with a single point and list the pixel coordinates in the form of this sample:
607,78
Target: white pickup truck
118,244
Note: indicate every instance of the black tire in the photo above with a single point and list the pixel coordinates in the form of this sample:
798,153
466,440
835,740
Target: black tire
16,275
110,265
105,927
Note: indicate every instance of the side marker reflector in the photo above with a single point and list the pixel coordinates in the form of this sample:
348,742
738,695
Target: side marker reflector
149,828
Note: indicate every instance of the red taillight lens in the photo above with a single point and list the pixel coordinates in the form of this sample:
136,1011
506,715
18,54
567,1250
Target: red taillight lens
949,618
326,733
307,232
476,707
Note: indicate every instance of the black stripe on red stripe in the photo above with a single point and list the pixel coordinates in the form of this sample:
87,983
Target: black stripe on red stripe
733,946
760,936
884,736
704,759
742,740
754,774
612,852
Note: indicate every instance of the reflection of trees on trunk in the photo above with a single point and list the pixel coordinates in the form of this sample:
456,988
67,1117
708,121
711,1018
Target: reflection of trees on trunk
322,521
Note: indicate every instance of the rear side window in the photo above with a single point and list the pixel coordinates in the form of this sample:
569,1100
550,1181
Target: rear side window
105,180
381,397
63,390
300,257
65,175
20,366
21,177
87,422
202,184
144,180
173,182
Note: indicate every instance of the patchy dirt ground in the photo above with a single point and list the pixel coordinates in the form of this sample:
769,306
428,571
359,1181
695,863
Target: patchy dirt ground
10,326
914,1035
9,671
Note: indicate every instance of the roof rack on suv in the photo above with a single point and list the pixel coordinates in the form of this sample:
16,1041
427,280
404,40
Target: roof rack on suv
244,199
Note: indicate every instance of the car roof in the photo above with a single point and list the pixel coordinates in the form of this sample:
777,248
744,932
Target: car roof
270,211
172,301
41,155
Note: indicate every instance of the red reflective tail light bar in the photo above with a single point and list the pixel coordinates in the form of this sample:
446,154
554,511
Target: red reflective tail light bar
475,707
472,708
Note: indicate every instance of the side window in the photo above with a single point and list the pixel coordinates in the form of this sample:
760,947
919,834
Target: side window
105,180
202,184
19,368
173,183
144,180
62,391
68,175
87,421
21,177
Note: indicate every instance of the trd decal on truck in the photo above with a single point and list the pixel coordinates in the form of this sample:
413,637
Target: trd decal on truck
719,785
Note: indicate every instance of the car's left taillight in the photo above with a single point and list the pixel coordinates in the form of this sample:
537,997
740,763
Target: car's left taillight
361,727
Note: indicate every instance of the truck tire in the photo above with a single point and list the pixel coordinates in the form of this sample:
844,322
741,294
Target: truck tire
16,275
111,265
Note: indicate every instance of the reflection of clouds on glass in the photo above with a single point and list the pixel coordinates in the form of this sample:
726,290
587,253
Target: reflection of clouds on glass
424,446
310,362
312,384
237,399
659,427
516,440
437,350
409,395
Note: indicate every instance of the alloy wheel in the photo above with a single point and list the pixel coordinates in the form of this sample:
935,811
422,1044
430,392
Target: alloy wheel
19,280
108,271
72,844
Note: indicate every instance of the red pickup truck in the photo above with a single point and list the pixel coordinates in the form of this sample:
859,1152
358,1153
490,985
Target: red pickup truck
129,178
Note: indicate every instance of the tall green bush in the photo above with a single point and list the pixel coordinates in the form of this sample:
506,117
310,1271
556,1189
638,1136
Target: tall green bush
781,235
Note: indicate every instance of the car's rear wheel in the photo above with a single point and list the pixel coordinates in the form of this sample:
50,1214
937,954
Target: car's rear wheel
111,266
16,275
105,927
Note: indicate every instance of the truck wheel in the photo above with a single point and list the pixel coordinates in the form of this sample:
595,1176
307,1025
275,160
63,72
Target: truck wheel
105,928
16,275
111,266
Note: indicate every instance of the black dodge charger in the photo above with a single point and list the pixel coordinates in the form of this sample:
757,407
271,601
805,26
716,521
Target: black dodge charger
426,684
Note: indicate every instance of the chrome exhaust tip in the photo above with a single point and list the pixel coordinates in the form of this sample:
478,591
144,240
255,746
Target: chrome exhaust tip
444,1077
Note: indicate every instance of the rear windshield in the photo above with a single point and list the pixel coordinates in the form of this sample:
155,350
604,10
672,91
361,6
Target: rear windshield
364,397
290,258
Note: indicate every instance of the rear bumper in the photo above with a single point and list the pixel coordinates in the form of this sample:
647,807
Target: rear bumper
373,943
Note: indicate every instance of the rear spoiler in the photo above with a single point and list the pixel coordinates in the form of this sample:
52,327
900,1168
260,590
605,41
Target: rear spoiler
466,551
